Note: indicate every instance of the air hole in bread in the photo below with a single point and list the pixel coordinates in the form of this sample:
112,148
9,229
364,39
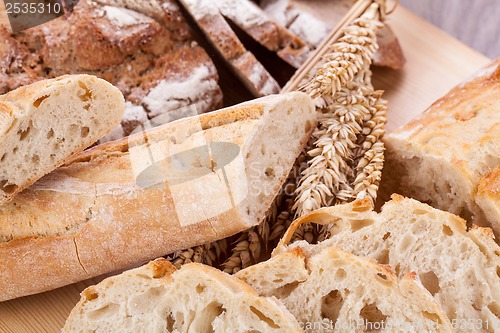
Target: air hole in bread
202,321
420,212
495,309
8,188
263,150
432,316
263,317
497,252
35,159
387,235
373,317
286,290
270,172
170,323
85,132
382,277
498,271
50,134
277,280
340,275
107,310
308,125
144,276
15,150
200,288
86,95
431,282
413,220
24,134
73,129
90,294
405,243
383,258
397,269
3,157
331,305
39,101
447,230
359,224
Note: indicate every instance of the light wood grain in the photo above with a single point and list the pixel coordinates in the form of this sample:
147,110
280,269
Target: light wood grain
436,62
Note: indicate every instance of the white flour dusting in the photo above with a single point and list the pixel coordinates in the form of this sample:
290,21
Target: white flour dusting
122,17
244,13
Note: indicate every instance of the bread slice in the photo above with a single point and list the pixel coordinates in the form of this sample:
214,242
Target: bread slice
351,294
158,298
440,157
256,23
460,268
243,63
186,183
488,198
42,125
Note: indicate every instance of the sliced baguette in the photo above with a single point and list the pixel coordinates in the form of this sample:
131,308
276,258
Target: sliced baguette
460,268
346,292
243,63
103,211
158,298
43,124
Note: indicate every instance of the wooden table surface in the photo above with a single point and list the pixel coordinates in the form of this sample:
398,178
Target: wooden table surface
436,62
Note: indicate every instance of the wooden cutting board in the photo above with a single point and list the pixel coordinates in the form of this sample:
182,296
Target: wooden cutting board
435,63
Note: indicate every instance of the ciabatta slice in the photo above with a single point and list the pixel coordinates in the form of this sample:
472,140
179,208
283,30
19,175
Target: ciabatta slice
43,124
460,268
333,289
158,298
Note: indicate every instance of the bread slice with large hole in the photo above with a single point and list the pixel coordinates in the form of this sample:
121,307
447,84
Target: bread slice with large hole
158,298
460,268
333,289
43,124
186,183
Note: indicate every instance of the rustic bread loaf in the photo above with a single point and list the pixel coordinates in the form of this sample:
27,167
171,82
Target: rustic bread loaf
143,48
243,63
186,183
333,289
158,298
43,124
460,268
488,197
440,157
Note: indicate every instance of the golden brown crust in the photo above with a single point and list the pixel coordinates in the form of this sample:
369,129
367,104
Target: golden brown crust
490,184
89,217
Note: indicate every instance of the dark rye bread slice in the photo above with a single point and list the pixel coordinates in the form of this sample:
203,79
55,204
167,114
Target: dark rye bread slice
111,207
145,51
43,124
243,63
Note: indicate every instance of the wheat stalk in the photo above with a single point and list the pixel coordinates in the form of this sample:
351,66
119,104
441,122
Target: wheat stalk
345,153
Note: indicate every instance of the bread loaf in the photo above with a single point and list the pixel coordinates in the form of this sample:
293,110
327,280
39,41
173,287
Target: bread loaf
144,48
333,289
158,298
460,268
43,124
187,183
440,157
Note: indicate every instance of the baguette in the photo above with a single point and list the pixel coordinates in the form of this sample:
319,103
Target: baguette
45,123
346,293
110,208
158,298
460,268
440,157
